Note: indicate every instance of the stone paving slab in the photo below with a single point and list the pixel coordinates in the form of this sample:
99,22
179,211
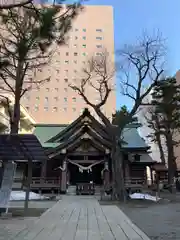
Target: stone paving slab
78,218
9,228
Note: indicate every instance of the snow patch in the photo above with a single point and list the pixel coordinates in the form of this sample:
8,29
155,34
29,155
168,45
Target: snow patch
20,195
144,196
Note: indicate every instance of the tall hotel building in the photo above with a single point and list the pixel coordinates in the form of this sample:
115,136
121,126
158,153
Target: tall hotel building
55,102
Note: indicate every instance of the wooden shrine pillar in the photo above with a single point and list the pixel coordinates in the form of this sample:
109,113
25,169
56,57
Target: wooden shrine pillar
127,172
151,175
106,173
64,177
1,172
43,171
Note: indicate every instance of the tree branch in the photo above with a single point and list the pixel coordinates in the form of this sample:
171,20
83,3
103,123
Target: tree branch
9,6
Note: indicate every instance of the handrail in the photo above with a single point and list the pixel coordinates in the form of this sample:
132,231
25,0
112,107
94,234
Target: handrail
37,180
134,180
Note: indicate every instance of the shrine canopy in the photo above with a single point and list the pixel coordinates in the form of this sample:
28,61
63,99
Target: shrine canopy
21,148
88,133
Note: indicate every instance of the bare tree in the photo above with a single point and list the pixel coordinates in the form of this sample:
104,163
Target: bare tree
25,3
154,123
27,40
17,4
140,66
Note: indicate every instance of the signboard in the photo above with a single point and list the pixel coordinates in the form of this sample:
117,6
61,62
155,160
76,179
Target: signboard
7,182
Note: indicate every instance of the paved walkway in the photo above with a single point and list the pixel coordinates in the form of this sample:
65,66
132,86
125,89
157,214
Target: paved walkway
82,218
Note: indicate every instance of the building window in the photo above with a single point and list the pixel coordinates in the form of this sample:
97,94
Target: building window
57,70
65,99
75,45
55,109
84,37
46,99
66,70
99,46
98,38
82,110
74,99
84,54
27,108
75,61
75,53
57,79
84,45
75,71
56,89
36,108
83,62
67,54
37,98
98,30
65,89
66,80
47,89
76,29
76,38
46,109
27,97
74,109
39,70
56,99
84,29
98,54
66,62
65,109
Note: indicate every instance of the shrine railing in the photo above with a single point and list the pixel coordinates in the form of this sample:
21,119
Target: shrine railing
135,181
37,180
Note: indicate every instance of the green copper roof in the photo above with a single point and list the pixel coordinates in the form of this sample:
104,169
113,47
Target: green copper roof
133,139
46,131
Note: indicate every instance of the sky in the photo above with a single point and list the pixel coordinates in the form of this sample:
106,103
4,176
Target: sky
133,17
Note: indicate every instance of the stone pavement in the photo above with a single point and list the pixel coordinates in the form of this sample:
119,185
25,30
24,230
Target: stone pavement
82,218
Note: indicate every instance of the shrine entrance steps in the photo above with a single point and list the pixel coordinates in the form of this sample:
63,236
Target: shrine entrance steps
72,190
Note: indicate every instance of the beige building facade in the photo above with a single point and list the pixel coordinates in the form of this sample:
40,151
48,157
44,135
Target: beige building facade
55,102
26,124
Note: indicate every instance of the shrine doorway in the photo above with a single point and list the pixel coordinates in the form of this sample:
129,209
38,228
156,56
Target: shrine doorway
76,175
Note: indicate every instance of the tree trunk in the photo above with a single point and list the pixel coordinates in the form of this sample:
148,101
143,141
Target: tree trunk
28,186
172,166
18,88
162,156
158,140
118,176
16,116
